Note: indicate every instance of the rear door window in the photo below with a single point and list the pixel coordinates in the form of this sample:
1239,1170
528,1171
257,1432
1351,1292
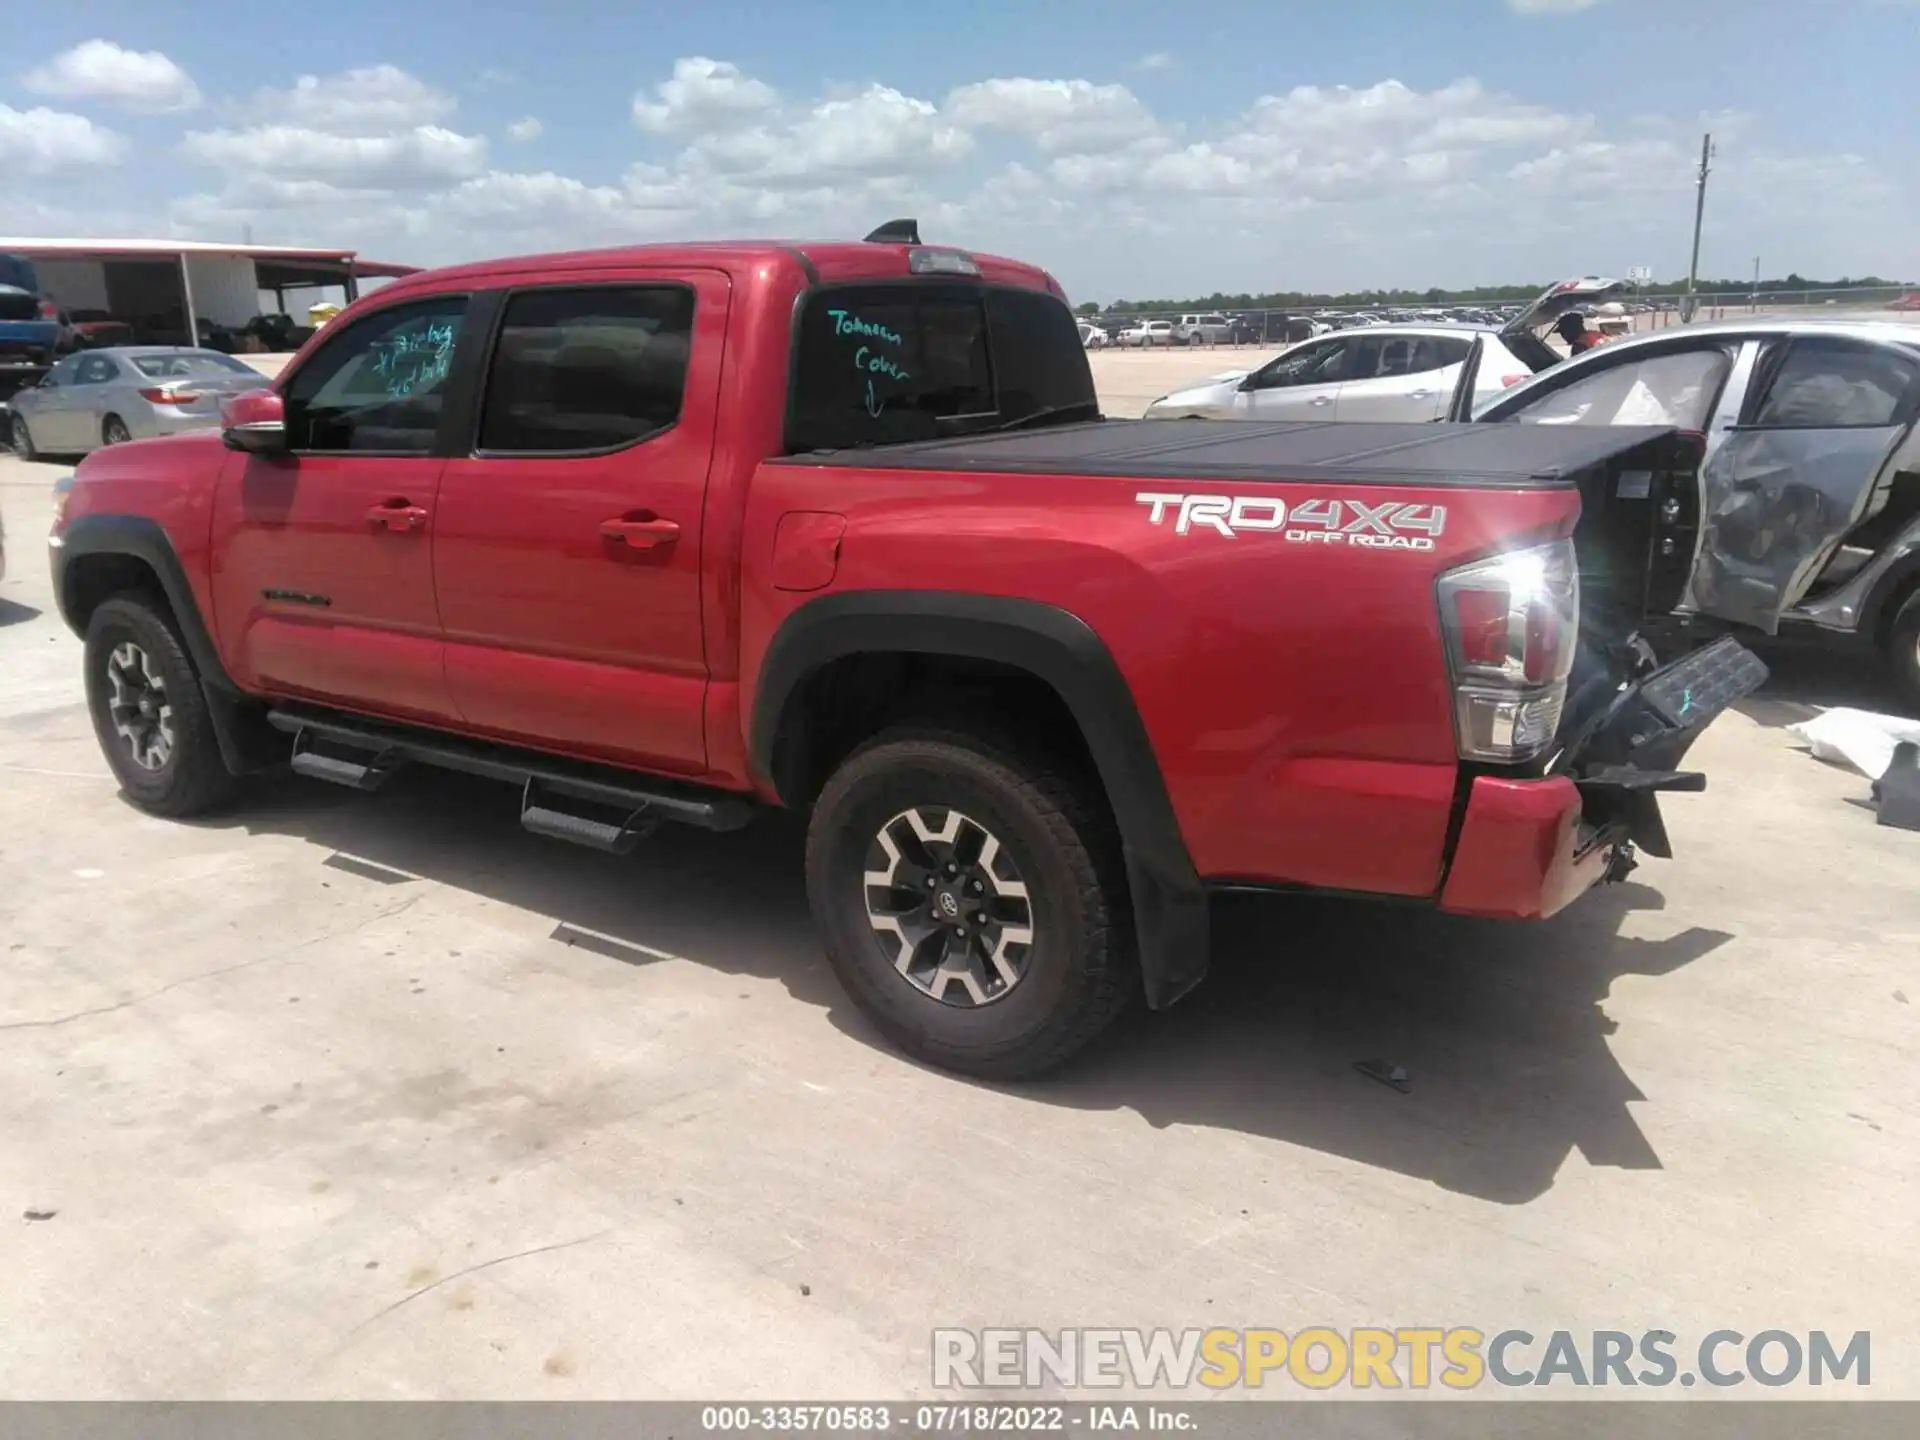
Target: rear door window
886,363
579,371
1823,384
1677,388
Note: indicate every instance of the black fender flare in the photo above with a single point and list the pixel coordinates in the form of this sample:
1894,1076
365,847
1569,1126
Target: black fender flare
140,538
1061,650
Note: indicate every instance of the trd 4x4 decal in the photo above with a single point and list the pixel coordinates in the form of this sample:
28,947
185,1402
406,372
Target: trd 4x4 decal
1392,525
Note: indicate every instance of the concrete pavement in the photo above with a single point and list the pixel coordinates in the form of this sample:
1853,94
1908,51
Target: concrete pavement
378,1096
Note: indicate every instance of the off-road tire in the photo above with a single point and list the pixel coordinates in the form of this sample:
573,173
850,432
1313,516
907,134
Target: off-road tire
22,439
193,779
1082,966
1903,651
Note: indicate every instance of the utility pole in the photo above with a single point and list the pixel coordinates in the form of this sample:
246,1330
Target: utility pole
1756,285
1699,214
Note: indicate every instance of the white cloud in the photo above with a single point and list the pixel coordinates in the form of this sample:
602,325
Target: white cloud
1156,60
703,95
40,142
412,159
528,129
143,80
370,100
373,130
876,132
1312,187
1058,115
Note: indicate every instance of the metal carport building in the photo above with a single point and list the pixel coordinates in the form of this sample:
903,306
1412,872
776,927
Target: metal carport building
166,287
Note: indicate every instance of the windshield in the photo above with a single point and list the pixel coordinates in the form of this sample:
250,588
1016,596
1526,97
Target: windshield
894,362
173,367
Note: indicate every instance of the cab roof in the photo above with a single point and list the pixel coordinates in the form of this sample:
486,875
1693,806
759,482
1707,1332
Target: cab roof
823,262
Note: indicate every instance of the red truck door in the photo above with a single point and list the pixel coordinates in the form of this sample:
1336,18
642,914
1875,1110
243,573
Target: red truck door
567,549
322,566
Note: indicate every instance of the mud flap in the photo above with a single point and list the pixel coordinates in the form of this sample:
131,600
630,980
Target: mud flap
1632,751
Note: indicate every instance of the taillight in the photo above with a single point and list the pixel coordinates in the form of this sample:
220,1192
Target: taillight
49,310
1511,624
170,397
1507,382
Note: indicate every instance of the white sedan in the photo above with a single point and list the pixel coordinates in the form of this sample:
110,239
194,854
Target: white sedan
1092,336
1382,372
1148,332
1404,373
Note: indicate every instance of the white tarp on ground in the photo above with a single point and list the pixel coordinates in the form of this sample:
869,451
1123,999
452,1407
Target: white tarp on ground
1858,738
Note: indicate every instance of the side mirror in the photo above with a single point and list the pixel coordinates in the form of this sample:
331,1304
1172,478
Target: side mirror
255,421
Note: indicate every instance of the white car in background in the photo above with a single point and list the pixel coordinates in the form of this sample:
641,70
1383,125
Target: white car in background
1148,332
1393,373
1092,337
1209,329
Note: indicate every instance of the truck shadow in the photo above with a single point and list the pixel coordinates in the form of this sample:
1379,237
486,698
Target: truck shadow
1501,1027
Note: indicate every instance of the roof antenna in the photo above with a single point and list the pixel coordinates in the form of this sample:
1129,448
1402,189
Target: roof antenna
896,232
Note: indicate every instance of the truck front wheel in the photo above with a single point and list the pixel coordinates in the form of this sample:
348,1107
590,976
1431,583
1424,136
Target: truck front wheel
148,712
972,901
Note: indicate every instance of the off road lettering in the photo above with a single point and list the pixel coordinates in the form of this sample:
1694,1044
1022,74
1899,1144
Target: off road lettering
1384,526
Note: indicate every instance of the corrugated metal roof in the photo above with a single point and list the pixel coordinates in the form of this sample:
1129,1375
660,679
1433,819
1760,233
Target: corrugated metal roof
52,248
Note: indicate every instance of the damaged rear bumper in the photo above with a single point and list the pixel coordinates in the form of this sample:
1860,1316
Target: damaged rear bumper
1526,850
1529,847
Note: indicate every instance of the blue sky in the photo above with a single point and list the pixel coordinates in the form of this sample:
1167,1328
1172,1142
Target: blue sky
1135,149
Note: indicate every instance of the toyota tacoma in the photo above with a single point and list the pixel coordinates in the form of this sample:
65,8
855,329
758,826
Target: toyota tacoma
674,534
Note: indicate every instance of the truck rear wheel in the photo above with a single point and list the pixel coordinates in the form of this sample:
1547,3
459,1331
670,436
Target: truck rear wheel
148,712
972,901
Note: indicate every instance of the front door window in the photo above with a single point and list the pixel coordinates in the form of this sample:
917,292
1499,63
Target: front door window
378,387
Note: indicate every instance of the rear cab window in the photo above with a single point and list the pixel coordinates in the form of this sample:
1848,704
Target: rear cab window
897,361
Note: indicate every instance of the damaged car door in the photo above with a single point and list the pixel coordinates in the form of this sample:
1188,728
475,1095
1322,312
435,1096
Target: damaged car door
1786,483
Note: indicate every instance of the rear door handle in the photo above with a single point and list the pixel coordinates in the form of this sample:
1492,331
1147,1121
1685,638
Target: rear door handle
398,515
640,534
1321,400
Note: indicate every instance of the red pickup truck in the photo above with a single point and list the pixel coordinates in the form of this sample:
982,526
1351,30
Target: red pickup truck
674,533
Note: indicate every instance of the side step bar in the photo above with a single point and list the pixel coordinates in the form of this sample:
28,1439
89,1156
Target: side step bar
373,750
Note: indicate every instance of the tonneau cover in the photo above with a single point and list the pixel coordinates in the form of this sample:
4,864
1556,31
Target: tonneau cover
1520,456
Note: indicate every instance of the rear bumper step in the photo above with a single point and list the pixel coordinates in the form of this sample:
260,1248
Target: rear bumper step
362,753
1633,750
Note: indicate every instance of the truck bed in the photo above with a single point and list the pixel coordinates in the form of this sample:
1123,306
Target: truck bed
1512,456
